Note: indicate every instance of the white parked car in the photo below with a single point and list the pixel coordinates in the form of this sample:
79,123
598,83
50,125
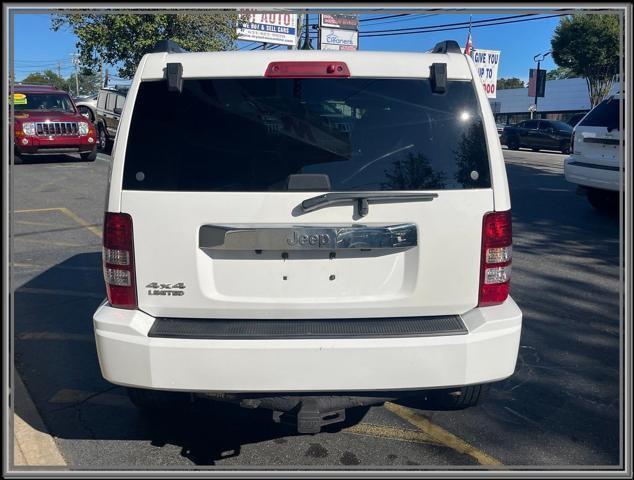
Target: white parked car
87,106
595,163
307,231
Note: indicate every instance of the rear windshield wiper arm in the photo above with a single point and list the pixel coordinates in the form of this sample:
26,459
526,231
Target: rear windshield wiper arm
362,199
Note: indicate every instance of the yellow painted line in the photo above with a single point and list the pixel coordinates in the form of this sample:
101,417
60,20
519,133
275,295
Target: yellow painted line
36,210
390,433
43,224
441,436
71,396
63,267
33,445
67,293
69,213
50,242
56,336
81,221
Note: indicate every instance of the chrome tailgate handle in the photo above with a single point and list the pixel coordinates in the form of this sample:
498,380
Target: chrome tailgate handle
218,237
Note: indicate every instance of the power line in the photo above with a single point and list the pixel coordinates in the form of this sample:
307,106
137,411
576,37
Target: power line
381,18
450,24
400,20
373,34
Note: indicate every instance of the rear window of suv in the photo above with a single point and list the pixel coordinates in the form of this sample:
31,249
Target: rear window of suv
606,114
251,134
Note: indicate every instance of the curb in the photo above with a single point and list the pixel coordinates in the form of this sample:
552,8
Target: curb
33,445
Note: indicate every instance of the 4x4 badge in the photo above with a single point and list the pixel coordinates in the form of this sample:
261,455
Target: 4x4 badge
169,289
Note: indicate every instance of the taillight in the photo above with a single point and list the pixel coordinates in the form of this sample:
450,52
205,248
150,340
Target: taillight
118,260
307,69
495,262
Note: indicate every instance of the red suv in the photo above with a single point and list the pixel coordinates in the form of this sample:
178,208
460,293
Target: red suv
47,122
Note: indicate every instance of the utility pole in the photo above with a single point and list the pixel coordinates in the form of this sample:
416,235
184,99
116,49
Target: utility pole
75,58
542,55
59,69
306,45
100,74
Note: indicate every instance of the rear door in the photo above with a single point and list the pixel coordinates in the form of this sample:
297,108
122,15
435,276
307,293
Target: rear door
215,177
597,136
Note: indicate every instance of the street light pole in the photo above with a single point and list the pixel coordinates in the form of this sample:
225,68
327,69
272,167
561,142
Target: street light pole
542,55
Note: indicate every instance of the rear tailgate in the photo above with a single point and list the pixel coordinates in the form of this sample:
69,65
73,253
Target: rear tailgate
217,158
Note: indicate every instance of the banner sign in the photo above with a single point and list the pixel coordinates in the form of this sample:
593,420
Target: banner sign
338,39
346,22
487,62
536,82
276,28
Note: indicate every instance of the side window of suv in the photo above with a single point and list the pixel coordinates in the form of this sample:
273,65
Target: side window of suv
120,101
110,102
101,100
531,124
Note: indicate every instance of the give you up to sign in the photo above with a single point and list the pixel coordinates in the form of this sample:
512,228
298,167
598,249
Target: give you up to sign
486,63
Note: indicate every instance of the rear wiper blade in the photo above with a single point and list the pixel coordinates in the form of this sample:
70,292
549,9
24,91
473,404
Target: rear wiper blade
362,199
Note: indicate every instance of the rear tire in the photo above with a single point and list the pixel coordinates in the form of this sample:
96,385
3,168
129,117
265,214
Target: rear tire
89,156
565,149
157,400
102,139
604,201
457,398
17,159
513,144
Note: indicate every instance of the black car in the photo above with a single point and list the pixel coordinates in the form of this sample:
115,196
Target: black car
538,135
109,107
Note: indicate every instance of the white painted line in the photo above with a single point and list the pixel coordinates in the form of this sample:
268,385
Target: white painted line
67,293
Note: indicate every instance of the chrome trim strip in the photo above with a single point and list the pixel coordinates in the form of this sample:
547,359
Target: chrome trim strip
313,237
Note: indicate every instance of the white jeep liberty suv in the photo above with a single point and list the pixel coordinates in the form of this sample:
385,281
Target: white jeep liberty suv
307,231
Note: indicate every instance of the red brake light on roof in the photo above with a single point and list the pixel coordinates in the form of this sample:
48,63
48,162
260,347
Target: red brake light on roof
495,262
307,69
118,260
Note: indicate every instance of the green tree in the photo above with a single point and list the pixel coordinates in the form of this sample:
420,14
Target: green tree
89,83
504,83
560,73
47,77
588,45
122,39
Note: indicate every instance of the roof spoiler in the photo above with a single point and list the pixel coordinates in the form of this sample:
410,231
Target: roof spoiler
448,46
168,46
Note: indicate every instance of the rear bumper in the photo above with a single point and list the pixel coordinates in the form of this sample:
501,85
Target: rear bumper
128,356
589,175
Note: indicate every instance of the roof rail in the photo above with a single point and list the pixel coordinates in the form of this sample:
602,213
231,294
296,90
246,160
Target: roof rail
448,46
167,46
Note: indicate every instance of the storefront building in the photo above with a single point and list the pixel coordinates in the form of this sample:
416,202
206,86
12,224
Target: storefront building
563,99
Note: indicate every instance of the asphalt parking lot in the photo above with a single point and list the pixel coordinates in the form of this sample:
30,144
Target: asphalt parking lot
560,409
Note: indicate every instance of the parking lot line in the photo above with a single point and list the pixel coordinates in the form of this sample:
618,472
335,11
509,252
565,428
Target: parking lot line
389,432
67,293
69,213
439,435
51,242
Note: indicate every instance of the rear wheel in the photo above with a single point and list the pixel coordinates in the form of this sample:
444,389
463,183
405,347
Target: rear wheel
513,144
457,398
565,148
89,156
102,139
157,400
17,159
603,200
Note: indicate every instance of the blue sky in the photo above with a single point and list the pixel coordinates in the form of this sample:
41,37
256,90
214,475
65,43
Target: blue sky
38,48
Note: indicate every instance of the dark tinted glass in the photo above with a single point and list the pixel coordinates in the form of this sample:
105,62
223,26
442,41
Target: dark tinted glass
606,114
251,134
557,125
530,124
44,101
